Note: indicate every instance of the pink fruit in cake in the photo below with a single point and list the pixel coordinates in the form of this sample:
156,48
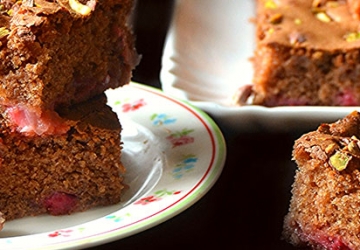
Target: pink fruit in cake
31,122
330,243
321,240
347,98
60,203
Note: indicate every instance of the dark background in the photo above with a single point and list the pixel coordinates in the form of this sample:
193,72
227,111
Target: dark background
245,208
151,22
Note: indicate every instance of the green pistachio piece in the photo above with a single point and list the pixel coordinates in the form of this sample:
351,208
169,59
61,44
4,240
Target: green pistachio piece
4,32
340,160
270,4
10,12
352,36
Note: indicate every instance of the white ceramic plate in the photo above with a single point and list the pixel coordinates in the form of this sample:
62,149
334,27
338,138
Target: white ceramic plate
173,152
206,59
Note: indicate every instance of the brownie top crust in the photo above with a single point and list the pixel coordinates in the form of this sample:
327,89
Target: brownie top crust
336,145
47,7
56,53
315,24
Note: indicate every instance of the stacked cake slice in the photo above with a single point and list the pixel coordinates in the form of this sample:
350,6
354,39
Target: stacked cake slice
60,143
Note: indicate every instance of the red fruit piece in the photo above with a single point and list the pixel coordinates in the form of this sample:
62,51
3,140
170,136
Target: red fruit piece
60,203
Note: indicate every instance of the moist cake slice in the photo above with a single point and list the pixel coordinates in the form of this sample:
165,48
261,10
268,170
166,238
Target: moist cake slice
74,169
307,53
324,211
55,53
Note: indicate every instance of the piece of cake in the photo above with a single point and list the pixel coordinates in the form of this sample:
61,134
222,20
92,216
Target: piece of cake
76,168
59,52
307,53
324,211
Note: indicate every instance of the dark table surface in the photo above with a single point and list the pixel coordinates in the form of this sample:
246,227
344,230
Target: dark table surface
246,206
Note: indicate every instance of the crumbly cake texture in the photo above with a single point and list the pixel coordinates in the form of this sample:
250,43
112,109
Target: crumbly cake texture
307,53
53,53
63,173
324,210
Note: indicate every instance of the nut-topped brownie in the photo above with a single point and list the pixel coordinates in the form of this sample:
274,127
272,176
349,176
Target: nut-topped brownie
324,211
56,53
73,170
307,53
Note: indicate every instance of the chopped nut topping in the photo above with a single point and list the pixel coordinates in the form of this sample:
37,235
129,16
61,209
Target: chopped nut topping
322,3
352,36
270,31
323,17
270,4
353,146
79,7
317,3
242,95
296,38
297,21
317,55
10,12
340,160
3,32
330,148
28,3
276,18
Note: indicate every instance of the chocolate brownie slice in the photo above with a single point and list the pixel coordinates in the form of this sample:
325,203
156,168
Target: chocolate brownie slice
324,211
59,52
74,169
307,53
